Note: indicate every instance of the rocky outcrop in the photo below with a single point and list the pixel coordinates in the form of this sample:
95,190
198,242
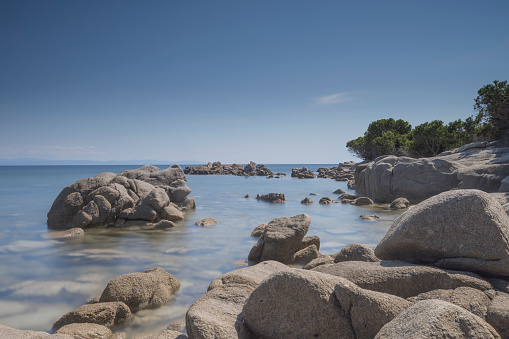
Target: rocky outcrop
108,314
145,195
356,252
483,166
149,288
303,173
452,230
283,238
271,197
251,169
436,319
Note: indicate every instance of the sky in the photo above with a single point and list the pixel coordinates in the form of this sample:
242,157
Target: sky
274,81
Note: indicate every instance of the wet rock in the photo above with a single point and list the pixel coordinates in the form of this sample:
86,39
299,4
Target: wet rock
369,217
436,319
338,191
325,201
71,233
149,288
400,203
356,252
452,230
347,196
86,330
271,197
164,224
206,222
104,313
314,194
306,200
362,201
246,196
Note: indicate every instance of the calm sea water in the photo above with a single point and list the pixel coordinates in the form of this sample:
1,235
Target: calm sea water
42,279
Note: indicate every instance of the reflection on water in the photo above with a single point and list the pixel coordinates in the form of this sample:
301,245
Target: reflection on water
42,279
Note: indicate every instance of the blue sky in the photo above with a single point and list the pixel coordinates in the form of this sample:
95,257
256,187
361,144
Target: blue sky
268,81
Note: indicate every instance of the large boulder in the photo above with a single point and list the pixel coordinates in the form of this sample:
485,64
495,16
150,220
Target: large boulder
455,228
217,314
143,194
9,332
104,313
281,239
149,288
402,279
436,319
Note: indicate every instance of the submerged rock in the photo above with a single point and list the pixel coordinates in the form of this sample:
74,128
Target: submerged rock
325,201
306,200
206,222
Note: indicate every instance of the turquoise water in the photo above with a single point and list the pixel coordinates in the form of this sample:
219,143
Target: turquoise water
42,279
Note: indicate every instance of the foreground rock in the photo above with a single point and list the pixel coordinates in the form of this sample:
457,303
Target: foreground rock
272,197
436,319
217,314
145,195
482,165
9,332
86,330
149,288
356,252
108,314
452,229
217,168
282,240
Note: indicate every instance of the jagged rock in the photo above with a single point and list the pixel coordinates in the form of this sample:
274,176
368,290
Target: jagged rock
148,288
325,201
217,314
217,168
306,200
307,254
402,279
141,194
271,197
103,313
86,330
436,319
258,231
356,252
206,222
400,203
452,229
303,173
308,241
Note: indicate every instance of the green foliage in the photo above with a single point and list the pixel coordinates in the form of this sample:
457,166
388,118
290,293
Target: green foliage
492,105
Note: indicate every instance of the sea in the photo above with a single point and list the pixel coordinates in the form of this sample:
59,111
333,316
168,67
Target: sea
41,279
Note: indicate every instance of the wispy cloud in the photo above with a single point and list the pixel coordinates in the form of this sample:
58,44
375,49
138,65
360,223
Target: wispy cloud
334,98
50,150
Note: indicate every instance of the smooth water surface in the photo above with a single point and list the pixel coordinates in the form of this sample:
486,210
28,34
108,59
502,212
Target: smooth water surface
42,279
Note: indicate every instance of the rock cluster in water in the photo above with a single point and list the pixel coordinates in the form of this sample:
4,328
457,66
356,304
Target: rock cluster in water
303,173
217,168
147,195
271,197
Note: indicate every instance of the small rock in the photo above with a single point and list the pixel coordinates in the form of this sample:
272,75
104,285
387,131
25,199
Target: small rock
164,224
306,255
314,194
400,203
362,201
306,200
325,201
246,196
206,222
86,330
369,217
338,191
321,260
356,252
103,313
272,197
178,325
71,233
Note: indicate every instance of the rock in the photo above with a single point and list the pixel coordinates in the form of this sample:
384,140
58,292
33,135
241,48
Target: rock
86,330
498,314
246,196
188,204
70,233
338,191
258,231
108,199
321,260
306,200
296,304
217,168
206,222
402,279
104,313
471,299
313,194
306,255
271,197
362,201
179,325
400,203
164,224
325,201
172,213
356,252
217,314
369,217
308,241
9,332
303,173
453,226
168,334
347,196
436,319
282,238
148,288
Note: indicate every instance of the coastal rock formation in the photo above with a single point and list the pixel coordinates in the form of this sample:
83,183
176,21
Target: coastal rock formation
356,252
282,239
303,173
400,203
141,289
258,231
145,195
103,313
217,168
436,319
482,165
271,197
452,230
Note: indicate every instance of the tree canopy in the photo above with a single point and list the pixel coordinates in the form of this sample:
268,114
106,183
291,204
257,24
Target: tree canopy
492,105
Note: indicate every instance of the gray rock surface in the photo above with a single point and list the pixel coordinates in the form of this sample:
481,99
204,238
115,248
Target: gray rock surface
303,173
142,194
271,197
482,166
306,200
436,319
498,314
362,201
217,314
325,201
217,168
402,279
206,222
9,332
400,203
321,260
258,231
104,313
86,331
148,288
356,252
454,226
